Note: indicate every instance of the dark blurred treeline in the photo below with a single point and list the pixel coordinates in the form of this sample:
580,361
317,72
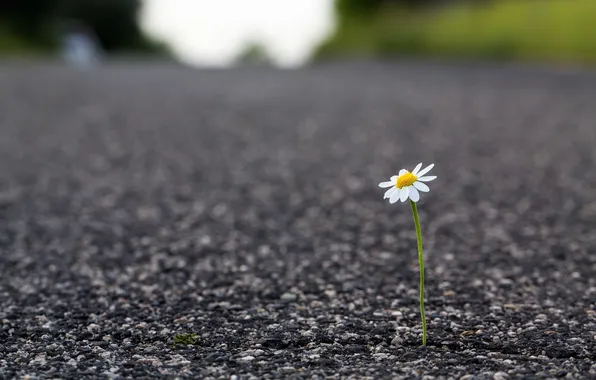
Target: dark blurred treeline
40,23
361,7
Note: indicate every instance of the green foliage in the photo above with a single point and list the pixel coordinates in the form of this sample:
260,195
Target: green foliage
254,54
556,30
186,339
9,42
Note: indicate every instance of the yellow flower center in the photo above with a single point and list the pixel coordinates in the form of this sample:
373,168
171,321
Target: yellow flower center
406,179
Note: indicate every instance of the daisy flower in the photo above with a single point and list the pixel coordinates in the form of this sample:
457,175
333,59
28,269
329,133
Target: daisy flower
408,184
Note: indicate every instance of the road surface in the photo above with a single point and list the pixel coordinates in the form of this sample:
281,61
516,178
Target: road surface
138,202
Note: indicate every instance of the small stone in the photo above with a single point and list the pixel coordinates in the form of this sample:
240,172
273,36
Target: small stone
255,353
397,341
541,318
381,356
105,355
501,376
153,361
177,360
39,360
248,358
289,297
110,375
467,377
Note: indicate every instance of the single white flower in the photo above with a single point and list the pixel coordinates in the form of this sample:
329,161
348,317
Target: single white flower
408,184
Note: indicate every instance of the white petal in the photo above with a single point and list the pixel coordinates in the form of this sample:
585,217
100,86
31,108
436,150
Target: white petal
403,194
425,170
422,187
389,192
417,168
414,194
387,184
394,196
393,178
402,172
427,178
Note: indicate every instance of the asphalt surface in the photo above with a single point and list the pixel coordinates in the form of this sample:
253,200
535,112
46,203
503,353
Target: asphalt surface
142,202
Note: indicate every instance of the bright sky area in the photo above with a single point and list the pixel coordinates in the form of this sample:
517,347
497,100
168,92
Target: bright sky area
213,32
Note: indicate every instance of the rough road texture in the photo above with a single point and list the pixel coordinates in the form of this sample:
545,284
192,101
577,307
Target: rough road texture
137,203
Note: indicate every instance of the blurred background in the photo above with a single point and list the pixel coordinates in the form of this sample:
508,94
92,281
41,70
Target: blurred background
294,32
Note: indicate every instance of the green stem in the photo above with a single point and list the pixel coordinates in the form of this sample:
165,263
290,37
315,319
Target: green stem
421,263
